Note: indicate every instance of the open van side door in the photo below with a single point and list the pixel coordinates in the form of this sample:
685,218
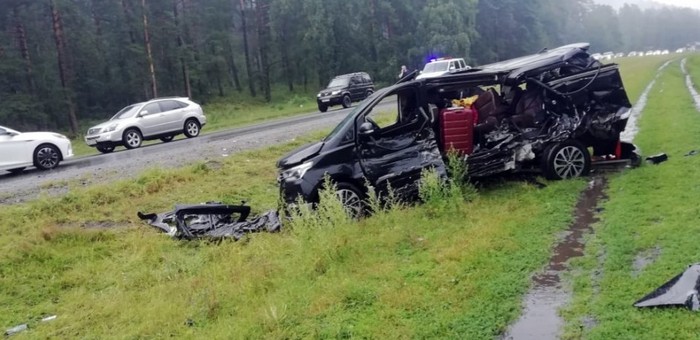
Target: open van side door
396,142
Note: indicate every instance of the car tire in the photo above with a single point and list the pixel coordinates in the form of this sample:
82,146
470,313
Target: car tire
46,157
347,102
352,199
369,93
567,159
166,139
192,128
16,171
322,108
105,149
132,138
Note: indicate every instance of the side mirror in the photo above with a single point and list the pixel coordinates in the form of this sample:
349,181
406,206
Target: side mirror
143,113
366,129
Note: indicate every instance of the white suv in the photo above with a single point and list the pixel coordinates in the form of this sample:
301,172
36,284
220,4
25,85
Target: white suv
160,118
439,67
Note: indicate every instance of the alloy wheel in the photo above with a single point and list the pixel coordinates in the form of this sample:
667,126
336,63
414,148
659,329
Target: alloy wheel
569,162
133,139
47,157
192,128
351,201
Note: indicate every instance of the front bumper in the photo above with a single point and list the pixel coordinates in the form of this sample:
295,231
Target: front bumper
330,100
114,137
293,190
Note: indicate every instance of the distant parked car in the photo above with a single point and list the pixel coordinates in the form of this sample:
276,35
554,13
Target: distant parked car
442,66
161,118
44,150
345,89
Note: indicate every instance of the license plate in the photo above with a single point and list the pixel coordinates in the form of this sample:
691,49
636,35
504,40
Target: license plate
325,100
91,142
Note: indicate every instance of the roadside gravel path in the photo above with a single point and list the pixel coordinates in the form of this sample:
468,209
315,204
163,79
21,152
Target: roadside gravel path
129,163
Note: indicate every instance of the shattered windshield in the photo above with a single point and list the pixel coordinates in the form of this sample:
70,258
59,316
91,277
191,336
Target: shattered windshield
436,67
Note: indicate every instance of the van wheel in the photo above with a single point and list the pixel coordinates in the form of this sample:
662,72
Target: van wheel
322,108
192,128
351,198
132,139
347,102
567,159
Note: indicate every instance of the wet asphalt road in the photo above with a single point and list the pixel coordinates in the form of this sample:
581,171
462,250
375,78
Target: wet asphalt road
123,163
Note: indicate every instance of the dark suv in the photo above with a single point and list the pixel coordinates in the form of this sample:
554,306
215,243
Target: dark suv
541,113
345,89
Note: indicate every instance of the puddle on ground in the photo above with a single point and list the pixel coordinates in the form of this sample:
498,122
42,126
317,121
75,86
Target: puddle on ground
689,84
631,128
644,259
540,319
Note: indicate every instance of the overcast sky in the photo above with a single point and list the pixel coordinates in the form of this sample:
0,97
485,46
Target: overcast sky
682,3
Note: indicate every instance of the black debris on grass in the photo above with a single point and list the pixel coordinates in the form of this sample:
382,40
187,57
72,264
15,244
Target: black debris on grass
212,221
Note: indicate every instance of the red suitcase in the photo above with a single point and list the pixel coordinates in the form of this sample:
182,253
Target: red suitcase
457,129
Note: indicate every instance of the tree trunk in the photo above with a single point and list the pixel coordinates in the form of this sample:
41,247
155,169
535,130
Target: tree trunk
126,8
180,45
149,55
249,69
263,30
232,67
21,36
62,69
285,57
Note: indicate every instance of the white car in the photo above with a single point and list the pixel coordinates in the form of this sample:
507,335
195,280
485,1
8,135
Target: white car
440,67
44,150
160,118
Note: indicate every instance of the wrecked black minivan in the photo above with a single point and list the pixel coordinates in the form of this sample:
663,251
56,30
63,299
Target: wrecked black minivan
552,113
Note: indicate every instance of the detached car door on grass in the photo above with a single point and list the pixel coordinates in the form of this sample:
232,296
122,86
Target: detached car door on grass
396,145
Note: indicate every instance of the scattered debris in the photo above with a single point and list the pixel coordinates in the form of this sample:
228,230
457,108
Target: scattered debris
49,318
691,153
16,329
681,291
212,220
189,323
656,159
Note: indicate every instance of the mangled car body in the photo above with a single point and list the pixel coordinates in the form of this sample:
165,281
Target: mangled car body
212,220
541,112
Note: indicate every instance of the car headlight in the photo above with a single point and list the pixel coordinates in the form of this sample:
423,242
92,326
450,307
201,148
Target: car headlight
296,172
334,93
111,128
318,95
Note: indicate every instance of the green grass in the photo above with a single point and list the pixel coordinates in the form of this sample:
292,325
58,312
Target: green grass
693,67
448,268
654,206
637,72
430,271
233,111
